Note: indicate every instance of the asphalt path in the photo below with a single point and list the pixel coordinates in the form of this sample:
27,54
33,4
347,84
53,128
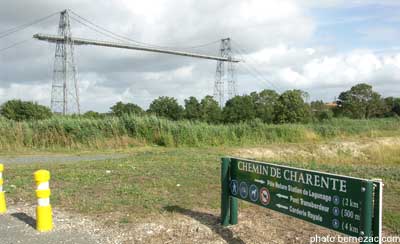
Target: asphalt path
33,159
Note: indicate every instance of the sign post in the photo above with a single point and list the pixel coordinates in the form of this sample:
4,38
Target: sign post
349,205
229,204
225,211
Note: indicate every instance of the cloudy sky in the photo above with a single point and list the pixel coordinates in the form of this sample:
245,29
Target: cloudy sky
322,47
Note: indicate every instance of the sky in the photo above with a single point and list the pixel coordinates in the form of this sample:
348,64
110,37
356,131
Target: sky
321,47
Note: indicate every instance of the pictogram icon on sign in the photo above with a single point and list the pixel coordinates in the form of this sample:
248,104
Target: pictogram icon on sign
264,196
243,189
234,187
253,193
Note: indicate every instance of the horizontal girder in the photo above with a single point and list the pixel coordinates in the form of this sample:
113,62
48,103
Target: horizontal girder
82,41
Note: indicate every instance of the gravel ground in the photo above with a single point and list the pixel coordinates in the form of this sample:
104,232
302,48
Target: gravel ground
18,226
256,226
59,158
174,225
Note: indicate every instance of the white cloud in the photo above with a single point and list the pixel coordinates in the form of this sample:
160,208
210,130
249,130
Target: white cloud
30,92
275,34
347,3
184,72
110,75
312,70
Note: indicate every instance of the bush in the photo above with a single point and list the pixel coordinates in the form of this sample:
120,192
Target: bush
291,108
93,115
166,107
120,109
323,115
22,110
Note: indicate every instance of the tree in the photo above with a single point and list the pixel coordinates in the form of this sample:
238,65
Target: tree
167,107
192,109
392,106
210,110
92,115
264,103
291,108
239,109
320,111
396,106
360,102
121,108
22,110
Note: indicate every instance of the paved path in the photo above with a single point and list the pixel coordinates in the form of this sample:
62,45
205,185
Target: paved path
58,158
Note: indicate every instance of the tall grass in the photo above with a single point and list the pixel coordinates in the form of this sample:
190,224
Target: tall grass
114,132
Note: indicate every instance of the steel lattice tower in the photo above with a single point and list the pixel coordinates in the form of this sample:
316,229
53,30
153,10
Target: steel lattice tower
225,74
65,93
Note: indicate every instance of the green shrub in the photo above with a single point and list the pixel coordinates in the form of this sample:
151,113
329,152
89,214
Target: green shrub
21,110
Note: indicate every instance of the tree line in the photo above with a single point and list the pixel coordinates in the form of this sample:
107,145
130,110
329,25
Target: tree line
268,106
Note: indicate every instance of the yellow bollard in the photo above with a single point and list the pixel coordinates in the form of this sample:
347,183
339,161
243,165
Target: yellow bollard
44,219
3,206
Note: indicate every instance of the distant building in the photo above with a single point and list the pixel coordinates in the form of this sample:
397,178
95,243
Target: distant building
332,104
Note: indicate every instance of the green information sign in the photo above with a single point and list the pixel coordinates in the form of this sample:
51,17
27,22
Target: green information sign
345,204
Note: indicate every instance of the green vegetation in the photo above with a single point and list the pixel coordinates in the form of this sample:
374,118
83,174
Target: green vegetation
152,179
192,109
126,131
360,102
264,103
291,108
120,109
166,107
19,110
320,112
207,110
93,114
239,109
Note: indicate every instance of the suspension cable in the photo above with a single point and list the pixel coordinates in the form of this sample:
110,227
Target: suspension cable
24,26
15,44
253,70
135,41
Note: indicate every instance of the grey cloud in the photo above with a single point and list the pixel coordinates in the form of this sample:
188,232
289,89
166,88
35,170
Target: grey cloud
110,75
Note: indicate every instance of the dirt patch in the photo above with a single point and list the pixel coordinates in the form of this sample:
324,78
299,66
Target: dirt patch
256,225
331,149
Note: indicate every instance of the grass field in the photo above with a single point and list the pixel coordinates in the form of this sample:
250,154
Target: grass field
155,178
72,133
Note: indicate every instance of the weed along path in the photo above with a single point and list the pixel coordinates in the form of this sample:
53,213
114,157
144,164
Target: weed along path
172,195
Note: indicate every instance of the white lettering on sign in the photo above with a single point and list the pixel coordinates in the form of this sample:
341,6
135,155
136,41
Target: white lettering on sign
253,168
313,205
293,175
